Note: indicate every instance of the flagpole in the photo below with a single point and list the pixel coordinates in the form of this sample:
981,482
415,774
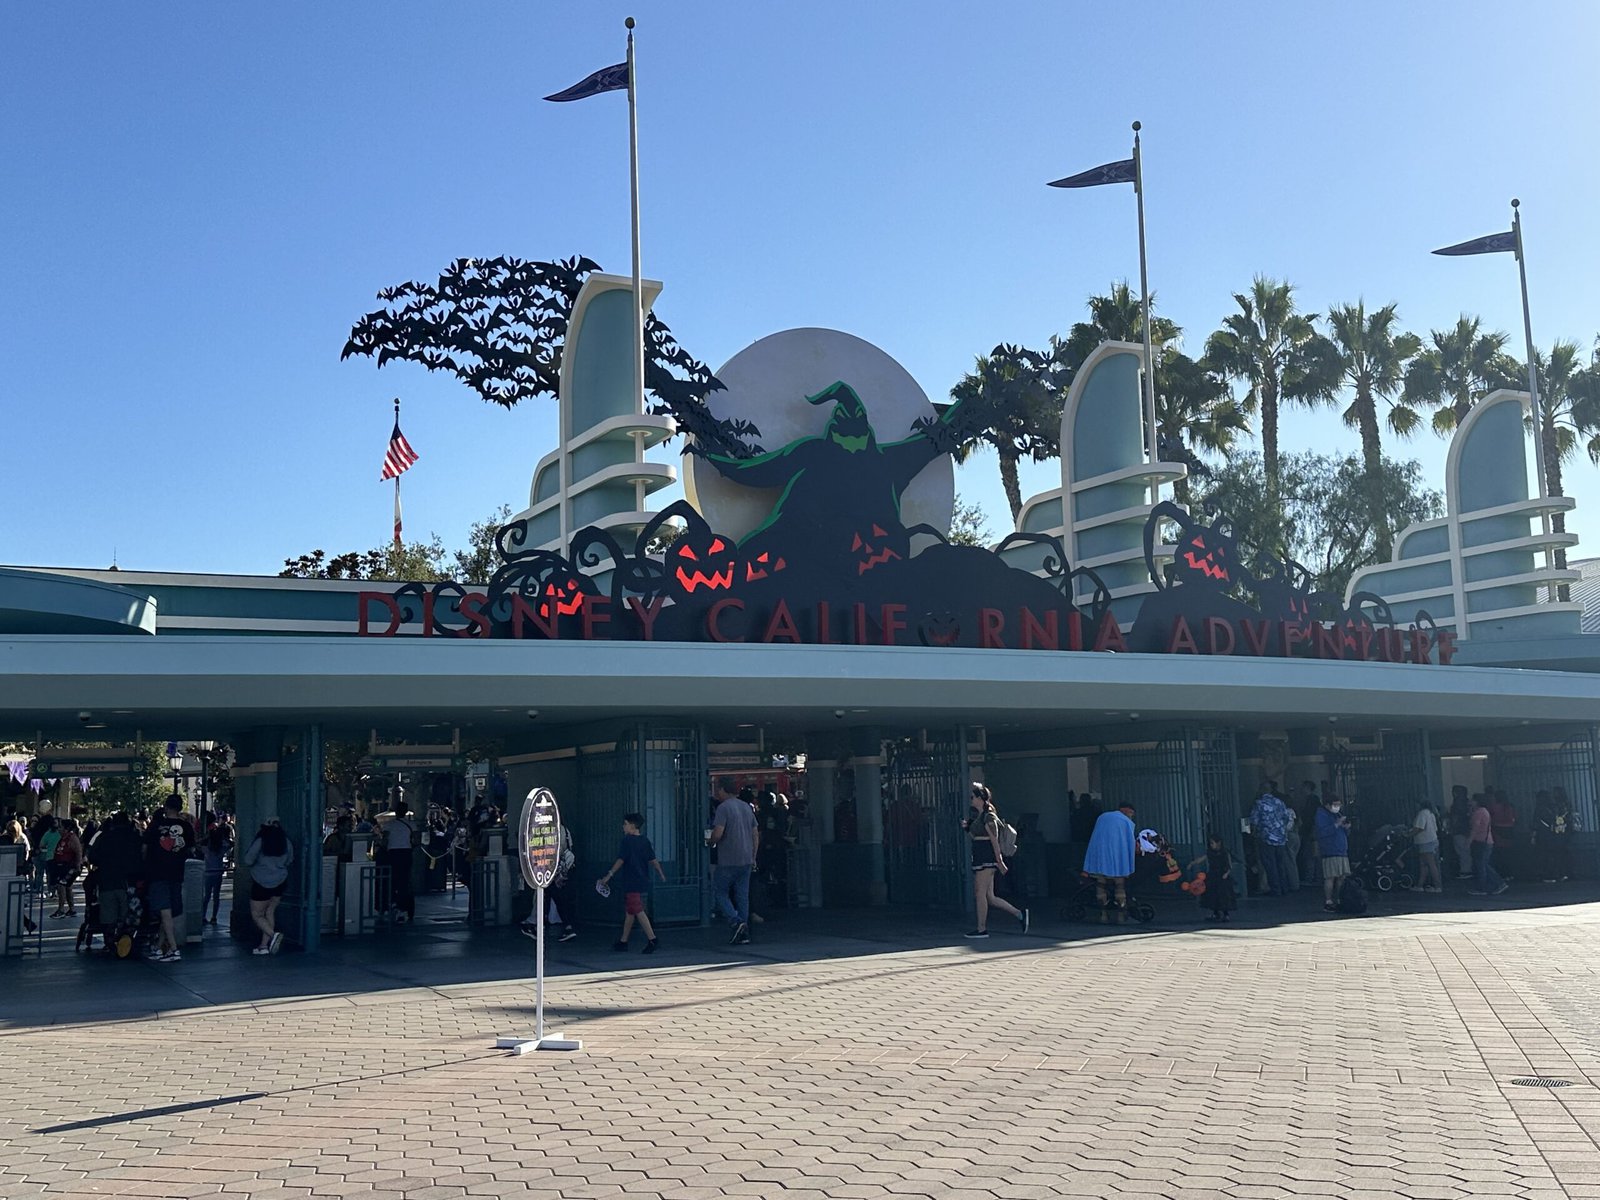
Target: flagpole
1533,391
633,183
1144,300
397,482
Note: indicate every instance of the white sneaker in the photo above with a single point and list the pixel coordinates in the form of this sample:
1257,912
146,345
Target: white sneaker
261,950
277,941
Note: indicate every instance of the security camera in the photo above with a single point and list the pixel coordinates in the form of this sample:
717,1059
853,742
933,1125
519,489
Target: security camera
85,717
839,712
533,714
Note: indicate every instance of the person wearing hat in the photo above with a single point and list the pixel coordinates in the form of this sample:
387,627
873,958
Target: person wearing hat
1109,859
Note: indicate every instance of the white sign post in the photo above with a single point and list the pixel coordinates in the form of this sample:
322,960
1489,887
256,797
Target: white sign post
539,855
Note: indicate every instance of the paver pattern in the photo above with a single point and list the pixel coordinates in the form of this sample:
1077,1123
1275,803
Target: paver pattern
1351,1059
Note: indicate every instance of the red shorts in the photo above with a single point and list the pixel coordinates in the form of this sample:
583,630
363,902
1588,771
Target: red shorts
633,903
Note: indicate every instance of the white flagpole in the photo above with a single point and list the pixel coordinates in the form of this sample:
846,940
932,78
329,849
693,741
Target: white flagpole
1533,392
397,482
633,181
1144,299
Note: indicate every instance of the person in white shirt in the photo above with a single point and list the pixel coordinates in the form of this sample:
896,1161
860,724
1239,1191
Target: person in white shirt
1425,841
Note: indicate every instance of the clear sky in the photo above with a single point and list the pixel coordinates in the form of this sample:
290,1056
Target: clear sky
200,198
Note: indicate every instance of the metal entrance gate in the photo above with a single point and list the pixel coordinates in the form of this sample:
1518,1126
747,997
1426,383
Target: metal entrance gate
1385,784
1522,773
300,807
1182,786
660,773
925,852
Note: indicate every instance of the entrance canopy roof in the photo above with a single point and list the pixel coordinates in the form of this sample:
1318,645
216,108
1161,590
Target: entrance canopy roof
203,686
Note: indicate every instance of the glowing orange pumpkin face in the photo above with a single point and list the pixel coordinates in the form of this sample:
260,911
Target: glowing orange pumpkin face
761,566
708,569
561,599
871,549
1203,563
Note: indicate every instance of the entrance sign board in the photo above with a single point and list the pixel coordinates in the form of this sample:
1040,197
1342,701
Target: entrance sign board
93,768
539,838
539,855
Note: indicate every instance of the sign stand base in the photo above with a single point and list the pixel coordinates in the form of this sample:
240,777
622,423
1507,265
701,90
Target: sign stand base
551,1041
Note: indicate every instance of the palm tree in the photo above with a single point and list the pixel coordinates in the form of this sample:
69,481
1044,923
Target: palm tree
1194,412
1372,358
1019,388
1461,367
1277,351
1569,407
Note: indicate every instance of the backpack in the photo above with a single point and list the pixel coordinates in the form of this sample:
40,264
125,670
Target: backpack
1006,835
1352,896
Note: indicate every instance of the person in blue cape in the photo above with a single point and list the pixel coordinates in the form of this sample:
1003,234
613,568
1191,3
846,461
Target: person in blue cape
1109,859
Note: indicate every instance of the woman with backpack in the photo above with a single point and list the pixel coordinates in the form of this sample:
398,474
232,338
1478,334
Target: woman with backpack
984,827
269,857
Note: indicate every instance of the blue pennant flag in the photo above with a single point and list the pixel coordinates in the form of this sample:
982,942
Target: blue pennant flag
1115,172
606,79
1494,243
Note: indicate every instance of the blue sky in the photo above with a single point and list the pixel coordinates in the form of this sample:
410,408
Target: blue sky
200,199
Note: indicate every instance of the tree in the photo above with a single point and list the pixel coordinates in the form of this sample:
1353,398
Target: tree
1019,394
1569,407
1460,367
112,792
480,559
1371,360
1277,351
969,525
1194,412
1314,525
415,561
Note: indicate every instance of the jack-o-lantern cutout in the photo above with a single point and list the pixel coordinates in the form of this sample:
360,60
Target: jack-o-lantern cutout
872,549
702,564
561,599
762,565
1204,556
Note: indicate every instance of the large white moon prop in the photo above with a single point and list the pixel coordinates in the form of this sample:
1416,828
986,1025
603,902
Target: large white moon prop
767,384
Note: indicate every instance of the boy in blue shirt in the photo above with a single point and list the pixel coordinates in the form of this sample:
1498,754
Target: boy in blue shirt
635,857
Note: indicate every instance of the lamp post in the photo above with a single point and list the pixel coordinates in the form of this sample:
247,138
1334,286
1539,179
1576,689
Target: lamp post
205,750
175,765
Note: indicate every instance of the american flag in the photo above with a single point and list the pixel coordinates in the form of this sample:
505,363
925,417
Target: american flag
400,455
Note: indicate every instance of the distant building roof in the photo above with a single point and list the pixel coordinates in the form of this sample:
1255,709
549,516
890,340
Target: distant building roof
1587,592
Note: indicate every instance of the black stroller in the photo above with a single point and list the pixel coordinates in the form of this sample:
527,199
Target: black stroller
1085,901
126,938
1384,866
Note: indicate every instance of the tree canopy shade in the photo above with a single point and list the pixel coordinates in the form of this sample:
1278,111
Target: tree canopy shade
1455,369
1277,352
1371,356
1317,525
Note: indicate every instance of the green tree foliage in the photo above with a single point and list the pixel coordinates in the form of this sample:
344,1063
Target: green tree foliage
1455,369
969,525
1371,355
1196,415
1569,409
1277,352
1316,525
424,561
111,792
1020,391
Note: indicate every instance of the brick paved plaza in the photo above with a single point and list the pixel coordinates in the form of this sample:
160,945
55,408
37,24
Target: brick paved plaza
1362,1058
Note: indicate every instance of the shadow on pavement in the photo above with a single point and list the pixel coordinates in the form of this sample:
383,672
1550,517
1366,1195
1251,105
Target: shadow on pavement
63,987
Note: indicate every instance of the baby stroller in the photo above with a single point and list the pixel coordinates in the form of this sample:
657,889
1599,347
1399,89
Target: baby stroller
1085,901
1384,866
126,938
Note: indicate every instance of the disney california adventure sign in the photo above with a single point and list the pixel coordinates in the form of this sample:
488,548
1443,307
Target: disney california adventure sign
833,564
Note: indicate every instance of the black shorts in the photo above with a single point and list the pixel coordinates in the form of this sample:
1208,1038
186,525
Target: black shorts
258,893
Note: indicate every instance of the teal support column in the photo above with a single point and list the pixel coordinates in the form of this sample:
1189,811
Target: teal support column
866,763
255,782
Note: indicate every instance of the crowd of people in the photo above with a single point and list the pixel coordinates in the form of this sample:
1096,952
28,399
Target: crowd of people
130,869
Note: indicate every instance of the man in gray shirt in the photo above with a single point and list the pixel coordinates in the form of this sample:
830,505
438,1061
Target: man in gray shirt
734,834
